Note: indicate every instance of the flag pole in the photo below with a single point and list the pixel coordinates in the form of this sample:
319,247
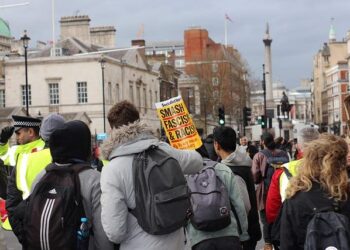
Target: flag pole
53,28
225,31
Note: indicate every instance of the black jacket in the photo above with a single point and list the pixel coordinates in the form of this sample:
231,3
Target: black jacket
15,206
298,211
245,173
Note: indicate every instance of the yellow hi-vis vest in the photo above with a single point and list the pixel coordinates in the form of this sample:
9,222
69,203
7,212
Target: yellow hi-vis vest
36,163
22,167
17,156
284,181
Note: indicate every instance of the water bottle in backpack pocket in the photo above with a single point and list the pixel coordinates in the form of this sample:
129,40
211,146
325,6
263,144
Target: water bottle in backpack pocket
209,199
83,235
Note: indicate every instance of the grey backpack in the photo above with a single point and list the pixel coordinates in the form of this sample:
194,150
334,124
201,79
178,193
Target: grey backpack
161,192
209,199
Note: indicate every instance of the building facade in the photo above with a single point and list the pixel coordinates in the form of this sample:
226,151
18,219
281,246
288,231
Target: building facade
325,59
70,80
215,76
336,89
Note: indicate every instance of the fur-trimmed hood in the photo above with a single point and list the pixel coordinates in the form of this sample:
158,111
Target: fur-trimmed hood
128,139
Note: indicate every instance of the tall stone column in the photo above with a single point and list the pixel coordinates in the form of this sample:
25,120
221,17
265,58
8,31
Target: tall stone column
268,66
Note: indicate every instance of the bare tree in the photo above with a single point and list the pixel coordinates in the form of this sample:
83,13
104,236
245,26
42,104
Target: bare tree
222,80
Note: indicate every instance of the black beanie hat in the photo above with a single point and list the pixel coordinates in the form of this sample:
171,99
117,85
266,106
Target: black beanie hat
71,143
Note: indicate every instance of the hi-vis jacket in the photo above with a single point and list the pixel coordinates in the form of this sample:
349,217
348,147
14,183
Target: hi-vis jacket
277,190
17,156
284,181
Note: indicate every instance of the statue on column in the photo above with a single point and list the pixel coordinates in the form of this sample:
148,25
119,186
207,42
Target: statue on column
285,107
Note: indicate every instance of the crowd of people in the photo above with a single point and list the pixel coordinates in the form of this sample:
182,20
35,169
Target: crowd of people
273,190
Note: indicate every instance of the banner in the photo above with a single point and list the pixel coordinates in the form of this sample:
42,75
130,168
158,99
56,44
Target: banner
177,123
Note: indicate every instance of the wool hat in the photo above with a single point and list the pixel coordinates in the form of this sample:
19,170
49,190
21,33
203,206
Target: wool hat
226,137
49,124
71,143
25,122
122,113
307,134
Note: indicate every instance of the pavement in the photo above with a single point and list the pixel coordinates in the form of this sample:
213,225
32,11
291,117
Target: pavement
12,243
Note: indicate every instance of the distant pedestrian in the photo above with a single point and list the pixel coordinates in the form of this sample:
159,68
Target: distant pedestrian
321,182
244,142
252,151
264,164
209,145
281,178
128,137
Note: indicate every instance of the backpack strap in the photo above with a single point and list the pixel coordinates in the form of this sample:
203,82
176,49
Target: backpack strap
287,172
240,231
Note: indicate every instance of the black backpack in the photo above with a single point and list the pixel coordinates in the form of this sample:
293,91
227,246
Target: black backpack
54,209
161,192
274,160
328,228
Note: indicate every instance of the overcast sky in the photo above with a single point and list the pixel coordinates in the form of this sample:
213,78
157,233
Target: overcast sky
298,27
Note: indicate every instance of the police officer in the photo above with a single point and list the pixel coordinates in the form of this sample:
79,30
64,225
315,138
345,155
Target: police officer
28,141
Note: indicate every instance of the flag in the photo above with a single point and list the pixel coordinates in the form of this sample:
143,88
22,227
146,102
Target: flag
228,18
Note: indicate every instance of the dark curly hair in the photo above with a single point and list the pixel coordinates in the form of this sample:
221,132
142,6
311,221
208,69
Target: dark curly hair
122,113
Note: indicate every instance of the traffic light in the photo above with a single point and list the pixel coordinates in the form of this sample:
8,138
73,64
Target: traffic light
247,115
263,121
222,115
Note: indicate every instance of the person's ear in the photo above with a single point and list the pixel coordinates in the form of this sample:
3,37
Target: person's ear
217,145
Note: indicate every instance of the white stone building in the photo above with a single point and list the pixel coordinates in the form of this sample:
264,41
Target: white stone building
71,80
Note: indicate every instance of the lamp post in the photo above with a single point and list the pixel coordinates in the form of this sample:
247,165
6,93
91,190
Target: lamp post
25,39
103,64
264,88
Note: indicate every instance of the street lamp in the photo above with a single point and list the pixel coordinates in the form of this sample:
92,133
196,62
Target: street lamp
103,64
25,39
264,88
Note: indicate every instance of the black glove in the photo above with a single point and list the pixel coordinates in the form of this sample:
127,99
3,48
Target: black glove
6,133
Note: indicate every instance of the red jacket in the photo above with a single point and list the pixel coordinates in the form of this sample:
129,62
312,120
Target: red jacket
273,200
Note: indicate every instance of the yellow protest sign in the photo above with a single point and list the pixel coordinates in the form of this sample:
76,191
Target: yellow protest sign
177,123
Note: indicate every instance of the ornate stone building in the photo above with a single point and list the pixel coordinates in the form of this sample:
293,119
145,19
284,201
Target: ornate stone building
69,79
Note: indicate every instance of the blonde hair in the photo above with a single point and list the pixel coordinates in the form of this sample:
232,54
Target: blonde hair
324,162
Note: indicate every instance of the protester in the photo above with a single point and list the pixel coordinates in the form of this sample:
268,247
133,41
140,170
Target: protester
228,237
128,136
321,181
280,180
35,163
262,170
96,162
209,145
252,151
71,145
240,164
243,141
